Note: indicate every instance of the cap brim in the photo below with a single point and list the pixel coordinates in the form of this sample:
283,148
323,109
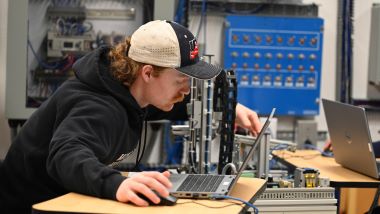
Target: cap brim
200,70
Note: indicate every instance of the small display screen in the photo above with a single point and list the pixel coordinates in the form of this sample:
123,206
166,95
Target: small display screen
68,45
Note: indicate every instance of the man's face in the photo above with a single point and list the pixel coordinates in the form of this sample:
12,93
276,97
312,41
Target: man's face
168,88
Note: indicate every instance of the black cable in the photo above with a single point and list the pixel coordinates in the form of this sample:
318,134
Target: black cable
286,156
186,14
145,136
148,7
225,94
201,21
136,168
192,159
138,156
255,210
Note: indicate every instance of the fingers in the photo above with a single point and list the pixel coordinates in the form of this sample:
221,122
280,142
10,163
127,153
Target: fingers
155,181
256,125
248,119
251,122
166,174
139,190
134,189
163,178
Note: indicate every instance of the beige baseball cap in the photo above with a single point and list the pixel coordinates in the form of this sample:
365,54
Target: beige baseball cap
169,44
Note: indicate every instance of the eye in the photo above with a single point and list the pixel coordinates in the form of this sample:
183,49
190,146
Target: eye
183,80
180,82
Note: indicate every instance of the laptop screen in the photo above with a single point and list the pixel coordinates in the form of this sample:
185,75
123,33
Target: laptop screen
350,137
252,150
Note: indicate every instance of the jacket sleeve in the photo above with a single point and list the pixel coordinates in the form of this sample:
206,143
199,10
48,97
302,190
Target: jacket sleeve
178,112
80,150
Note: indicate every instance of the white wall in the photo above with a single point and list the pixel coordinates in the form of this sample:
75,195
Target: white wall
4,129
328,10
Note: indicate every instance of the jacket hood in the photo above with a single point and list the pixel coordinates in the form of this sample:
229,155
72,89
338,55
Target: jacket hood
93,69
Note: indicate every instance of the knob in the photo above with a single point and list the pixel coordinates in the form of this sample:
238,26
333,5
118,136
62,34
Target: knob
258,39
235,38
246,38
280,39
302,41
312,56
257,55
291,40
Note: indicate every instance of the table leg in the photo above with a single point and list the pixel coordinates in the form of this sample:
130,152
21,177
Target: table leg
337,196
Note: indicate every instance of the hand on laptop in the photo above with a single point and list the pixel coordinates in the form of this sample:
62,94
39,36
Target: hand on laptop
246,118
144,183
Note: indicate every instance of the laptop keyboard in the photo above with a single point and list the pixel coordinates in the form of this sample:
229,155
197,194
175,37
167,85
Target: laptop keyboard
201,183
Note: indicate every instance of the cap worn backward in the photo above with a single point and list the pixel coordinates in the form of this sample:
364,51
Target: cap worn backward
168,44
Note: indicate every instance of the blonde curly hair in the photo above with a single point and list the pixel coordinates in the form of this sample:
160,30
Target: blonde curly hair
124,68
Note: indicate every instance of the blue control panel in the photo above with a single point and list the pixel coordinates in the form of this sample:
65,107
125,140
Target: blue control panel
277,62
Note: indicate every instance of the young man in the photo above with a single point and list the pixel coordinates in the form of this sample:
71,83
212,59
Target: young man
70,143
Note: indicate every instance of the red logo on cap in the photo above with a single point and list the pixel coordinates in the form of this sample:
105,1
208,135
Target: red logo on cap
193,49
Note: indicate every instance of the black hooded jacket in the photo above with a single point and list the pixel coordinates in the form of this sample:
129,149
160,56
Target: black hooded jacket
72,138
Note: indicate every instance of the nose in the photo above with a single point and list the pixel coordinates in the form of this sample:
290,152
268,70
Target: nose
186,88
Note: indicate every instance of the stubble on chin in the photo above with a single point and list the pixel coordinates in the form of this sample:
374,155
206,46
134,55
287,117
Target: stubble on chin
170,105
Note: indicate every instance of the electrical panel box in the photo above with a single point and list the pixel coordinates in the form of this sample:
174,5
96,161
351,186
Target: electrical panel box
277,62
46,37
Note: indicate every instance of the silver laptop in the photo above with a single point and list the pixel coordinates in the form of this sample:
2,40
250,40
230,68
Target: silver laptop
350,137
207,185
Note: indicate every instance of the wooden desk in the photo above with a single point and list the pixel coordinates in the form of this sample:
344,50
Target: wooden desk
339,176
247,189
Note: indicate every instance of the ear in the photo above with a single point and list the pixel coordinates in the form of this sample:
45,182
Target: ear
147,73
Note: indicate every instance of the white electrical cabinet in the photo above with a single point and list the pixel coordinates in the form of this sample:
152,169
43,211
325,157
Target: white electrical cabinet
45,37
16,61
